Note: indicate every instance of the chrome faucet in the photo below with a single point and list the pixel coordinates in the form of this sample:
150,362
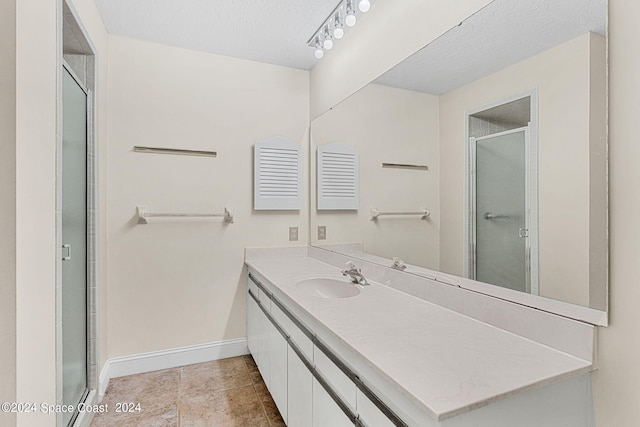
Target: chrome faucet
355,274
398,264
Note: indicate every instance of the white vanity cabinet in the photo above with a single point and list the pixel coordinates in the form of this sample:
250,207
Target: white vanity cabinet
310,385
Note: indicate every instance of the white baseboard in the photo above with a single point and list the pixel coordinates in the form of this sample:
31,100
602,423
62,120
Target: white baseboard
165,359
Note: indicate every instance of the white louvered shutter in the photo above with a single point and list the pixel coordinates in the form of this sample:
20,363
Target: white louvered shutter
277,175
337,177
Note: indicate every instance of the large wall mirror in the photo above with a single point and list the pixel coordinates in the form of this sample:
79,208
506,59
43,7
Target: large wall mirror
483,156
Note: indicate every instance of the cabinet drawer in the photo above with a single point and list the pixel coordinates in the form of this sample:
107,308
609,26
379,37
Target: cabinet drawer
369,414
253,288
339,382
265,301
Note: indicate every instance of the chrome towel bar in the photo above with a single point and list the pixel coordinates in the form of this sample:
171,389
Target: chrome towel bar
158,150
375,213
144,215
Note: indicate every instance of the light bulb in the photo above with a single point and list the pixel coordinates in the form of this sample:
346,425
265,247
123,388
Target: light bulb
364,5
338,33
350,20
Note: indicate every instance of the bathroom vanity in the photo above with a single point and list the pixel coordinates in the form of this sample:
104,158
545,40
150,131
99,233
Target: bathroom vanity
334,353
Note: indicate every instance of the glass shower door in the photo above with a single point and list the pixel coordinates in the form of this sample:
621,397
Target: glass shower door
74,249
500,193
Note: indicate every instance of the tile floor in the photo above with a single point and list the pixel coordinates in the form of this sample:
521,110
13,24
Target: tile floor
227,392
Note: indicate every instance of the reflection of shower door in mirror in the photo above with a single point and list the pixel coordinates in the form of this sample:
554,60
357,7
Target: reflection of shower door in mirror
500,223
74,249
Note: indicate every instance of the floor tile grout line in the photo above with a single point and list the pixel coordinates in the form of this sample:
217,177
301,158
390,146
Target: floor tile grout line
264,410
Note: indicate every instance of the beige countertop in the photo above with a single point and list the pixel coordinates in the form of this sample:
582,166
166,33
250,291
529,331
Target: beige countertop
445,362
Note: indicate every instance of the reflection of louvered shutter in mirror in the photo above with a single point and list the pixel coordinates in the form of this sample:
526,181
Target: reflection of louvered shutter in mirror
337,177
277,175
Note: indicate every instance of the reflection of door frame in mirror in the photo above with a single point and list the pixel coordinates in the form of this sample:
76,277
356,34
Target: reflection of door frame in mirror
531,190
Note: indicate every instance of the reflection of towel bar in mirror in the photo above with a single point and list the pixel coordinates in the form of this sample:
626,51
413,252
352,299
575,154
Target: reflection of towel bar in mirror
144,216
405,166
375,213
158,150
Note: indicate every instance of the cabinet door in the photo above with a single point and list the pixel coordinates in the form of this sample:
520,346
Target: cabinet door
278,372
302,341
338,381
264,346
252,326
326,412
299,385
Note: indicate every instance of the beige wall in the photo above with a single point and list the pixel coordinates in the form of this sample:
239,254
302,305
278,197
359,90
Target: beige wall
385,124
562,78
36,86
379,41
7,207
175,284
616,384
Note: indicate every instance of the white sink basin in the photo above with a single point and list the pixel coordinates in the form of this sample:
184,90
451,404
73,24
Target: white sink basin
328,288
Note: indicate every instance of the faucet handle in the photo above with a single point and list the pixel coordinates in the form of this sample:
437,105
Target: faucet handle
398,264
351,265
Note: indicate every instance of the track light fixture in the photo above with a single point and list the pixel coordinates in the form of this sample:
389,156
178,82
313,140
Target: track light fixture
328,42
343,16
319,53
338,31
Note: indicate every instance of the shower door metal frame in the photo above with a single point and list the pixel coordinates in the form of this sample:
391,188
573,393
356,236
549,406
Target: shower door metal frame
84,418
531,284
88,232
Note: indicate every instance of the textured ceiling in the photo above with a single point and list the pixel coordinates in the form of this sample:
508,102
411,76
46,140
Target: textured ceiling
276,32
271,31
503,33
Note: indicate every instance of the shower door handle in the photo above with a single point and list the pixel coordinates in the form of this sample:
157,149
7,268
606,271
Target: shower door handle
66,257
523,232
